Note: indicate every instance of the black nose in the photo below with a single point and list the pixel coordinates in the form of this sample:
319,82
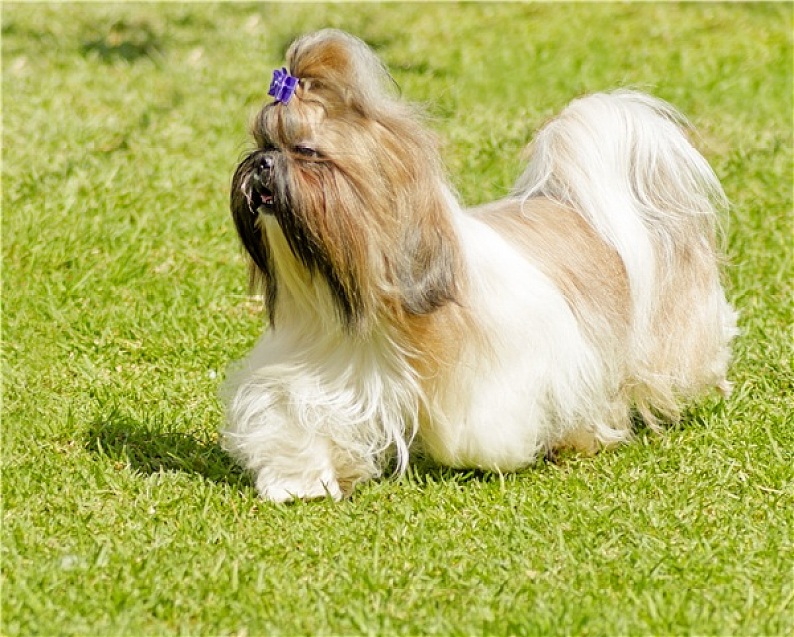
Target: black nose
265,163
263,169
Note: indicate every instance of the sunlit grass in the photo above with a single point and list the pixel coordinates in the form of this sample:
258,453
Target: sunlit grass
124,299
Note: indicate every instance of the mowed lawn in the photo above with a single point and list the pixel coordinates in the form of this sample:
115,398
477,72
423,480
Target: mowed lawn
124,298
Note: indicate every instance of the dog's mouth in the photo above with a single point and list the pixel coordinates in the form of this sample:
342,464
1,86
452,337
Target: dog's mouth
260,197
268,200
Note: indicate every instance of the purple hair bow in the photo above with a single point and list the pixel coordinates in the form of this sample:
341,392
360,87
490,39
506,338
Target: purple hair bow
283,85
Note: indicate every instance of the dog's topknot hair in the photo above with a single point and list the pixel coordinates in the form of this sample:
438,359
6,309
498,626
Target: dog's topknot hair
332,60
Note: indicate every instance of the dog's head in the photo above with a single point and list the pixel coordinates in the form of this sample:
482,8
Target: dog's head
345,186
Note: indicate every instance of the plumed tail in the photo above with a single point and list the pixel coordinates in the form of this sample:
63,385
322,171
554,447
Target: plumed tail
629,139
623,162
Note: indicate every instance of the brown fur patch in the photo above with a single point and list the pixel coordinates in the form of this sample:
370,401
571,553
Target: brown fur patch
561,244
688,333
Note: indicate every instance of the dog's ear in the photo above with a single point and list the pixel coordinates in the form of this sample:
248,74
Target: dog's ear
428,275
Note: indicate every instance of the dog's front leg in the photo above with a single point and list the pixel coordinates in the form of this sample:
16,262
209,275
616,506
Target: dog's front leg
289,460
300,470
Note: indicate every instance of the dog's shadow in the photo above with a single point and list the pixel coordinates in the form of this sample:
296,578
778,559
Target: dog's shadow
150,446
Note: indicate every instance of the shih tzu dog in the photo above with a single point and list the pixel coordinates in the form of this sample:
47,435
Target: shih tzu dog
487,336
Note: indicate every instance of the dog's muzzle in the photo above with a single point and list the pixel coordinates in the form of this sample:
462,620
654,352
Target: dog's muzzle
262,181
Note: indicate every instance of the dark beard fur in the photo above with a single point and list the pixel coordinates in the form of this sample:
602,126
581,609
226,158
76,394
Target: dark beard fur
246,206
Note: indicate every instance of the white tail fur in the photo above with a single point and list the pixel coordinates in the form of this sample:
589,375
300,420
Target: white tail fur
623,162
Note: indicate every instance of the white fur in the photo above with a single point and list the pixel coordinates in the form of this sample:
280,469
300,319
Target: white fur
504,406
313,410
310,403
621,161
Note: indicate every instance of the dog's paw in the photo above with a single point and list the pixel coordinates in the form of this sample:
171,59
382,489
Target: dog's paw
299,487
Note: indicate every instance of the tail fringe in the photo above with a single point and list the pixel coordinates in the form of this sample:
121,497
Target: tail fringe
623,161
627,146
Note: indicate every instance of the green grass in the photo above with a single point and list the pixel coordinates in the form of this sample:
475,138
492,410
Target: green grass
124,299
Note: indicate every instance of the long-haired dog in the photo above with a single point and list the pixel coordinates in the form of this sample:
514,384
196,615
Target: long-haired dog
487,336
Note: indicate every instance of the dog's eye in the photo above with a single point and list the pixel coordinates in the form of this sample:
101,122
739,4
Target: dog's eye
306,151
